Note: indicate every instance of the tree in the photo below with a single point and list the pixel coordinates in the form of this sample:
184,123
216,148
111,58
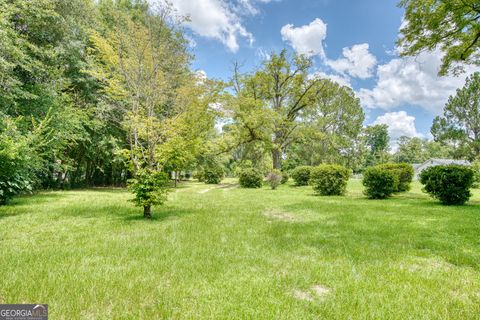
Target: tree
453,26
16,161
328,127
376,139
275,96
281,105
142,62
417,150
410,150
460,124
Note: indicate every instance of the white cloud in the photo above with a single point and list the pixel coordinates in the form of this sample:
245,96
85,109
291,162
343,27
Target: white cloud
249,6
214,19
341,80
357,61
307,39
263,54
399,124
412,80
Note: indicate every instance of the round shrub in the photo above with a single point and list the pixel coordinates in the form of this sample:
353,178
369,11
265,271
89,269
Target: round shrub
301,175
404,173
285,177
274,178
379,183
250,178
213,175
329,180
450,184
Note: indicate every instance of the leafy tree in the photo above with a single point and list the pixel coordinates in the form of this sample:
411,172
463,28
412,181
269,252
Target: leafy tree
150,188
460,124
281,105
417,150
16,162
328,128
376,140
453,26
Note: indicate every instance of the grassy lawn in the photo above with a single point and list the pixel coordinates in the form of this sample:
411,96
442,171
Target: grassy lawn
229,253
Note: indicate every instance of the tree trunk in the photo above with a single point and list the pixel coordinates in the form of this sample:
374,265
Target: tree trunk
277,159
147,212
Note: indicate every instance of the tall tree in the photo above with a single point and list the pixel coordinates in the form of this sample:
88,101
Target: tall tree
277,103
376,139
417,150
453,26
328,126
460,123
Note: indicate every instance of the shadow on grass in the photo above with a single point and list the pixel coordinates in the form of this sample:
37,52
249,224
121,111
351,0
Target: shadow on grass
158,215
21,204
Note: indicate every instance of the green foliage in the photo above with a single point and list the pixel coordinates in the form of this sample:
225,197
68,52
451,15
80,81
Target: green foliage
404,174
329,127
149,187
376,139
16,162
285,177
449,25
329,180
379,183
301,175
460,123
250,178
476,171
274,178
213,174
417,150
277,109
450,184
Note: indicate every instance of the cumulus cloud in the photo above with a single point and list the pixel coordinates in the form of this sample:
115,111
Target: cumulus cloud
412,80
307,39
341,80
357,62
399,124
214,19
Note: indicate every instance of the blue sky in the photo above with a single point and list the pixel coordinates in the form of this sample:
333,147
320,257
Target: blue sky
351,41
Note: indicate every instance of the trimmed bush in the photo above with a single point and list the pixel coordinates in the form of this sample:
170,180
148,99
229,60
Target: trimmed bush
250,178
329,180
379,183
213,175
450,184
274,178
301,175
404,173
285,177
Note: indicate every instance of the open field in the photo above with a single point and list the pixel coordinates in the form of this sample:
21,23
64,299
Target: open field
229,253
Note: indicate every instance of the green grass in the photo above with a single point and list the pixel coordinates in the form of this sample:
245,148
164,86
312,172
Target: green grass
231,253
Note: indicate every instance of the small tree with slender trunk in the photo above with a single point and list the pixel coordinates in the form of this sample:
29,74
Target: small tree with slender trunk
150,188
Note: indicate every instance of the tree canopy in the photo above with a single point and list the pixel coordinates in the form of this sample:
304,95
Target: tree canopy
451,26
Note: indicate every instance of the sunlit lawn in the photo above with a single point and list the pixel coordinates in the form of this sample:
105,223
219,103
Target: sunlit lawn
230,253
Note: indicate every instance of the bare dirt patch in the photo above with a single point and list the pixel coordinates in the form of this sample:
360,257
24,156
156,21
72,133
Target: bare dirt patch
274,214
317,291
